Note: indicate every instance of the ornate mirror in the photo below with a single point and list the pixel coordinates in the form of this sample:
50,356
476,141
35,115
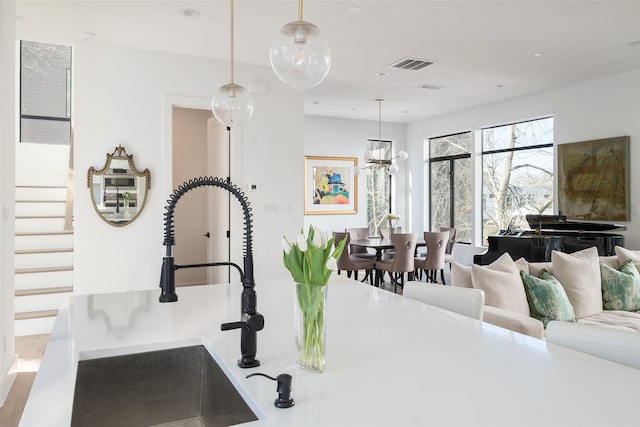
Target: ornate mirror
119,189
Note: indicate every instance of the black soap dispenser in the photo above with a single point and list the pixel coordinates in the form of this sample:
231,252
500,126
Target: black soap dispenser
284,399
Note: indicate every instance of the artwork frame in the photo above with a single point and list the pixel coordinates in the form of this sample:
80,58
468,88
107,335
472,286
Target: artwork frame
340,196
593,179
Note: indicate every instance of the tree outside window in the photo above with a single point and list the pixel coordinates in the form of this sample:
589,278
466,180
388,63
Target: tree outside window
378,186
517,166
450,172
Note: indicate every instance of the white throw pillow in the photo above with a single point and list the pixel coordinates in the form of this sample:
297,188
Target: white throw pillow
522,265
461,275
535,268
624,254
611,261
579,273
502,285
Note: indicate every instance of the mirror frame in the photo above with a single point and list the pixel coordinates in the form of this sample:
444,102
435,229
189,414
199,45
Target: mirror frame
120,154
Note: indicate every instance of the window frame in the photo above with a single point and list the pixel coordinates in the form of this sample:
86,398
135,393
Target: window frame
451,159
550,145
68,97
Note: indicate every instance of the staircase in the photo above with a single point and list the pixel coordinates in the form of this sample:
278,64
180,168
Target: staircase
43,248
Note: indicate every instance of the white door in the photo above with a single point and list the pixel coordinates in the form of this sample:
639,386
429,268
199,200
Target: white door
218,200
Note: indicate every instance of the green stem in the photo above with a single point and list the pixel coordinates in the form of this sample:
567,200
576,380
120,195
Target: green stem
311,303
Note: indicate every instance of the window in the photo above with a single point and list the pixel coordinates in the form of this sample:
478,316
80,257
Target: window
45,93
517,174
378,185
450,195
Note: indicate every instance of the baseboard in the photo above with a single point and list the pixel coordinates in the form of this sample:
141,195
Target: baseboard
7,380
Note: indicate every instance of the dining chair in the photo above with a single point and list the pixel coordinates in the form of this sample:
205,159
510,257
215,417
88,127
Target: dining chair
436,243
360,233
352,263
616,345
390,253
404,245
448,254
465,301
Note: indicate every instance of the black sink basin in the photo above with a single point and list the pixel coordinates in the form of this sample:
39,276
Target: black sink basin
176,387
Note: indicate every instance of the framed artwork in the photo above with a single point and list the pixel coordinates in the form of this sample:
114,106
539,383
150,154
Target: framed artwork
330,185
593,179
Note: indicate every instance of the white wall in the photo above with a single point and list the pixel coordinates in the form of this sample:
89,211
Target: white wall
120,97
347,138
602,108
7,194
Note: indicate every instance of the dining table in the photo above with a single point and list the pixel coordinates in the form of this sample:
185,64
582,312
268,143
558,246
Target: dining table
379,244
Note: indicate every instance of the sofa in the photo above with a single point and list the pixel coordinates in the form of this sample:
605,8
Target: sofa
580,287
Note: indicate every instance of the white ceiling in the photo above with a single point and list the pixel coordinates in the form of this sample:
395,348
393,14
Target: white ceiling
483,51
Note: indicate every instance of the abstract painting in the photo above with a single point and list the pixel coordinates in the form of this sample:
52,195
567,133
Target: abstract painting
593,179
330,185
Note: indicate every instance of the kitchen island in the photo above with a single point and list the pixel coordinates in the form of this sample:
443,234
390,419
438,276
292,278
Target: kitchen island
390,361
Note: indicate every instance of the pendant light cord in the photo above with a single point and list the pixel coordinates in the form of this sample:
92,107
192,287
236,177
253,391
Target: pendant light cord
231,48
379,120
299,10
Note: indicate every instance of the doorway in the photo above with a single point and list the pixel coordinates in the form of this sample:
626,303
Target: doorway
200,148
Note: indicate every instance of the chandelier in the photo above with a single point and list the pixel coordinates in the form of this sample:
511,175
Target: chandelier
374,158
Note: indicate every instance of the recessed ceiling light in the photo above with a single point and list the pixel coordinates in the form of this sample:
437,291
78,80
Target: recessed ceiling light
635,44
405,111
537,54
354,9
382,74
499,85
190,13
315,102
87,35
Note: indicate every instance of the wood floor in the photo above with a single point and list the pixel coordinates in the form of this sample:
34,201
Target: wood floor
29,350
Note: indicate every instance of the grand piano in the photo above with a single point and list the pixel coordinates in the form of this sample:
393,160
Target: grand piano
549,233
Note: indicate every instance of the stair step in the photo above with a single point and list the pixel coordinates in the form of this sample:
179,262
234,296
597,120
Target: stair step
43,269
43,260
43,291
40,201
36,314
40,302
44,233
40,193
38,225
40,186
42,251
37,326
44,242
38,207
43,280
39,216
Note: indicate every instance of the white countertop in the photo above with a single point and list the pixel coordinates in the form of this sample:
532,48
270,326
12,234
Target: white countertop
390,361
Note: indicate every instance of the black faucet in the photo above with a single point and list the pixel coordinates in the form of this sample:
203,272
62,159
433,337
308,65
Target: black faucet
117,200
251,321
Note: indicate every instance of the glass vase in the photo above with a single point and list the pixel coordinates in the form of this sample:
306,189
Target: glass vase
310,330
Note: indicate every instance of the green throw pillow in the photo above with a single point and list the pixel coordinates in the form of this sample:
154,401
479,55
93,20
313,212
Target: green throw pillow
620,288
547,299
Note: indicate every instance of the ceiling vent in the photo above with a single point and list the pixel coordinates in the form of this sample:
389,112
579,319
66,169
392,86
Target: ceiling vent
413,64
431,86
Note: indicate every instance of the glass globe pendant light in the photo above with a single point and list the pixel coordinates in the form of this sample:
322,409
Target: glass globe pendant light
300,55
232,104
